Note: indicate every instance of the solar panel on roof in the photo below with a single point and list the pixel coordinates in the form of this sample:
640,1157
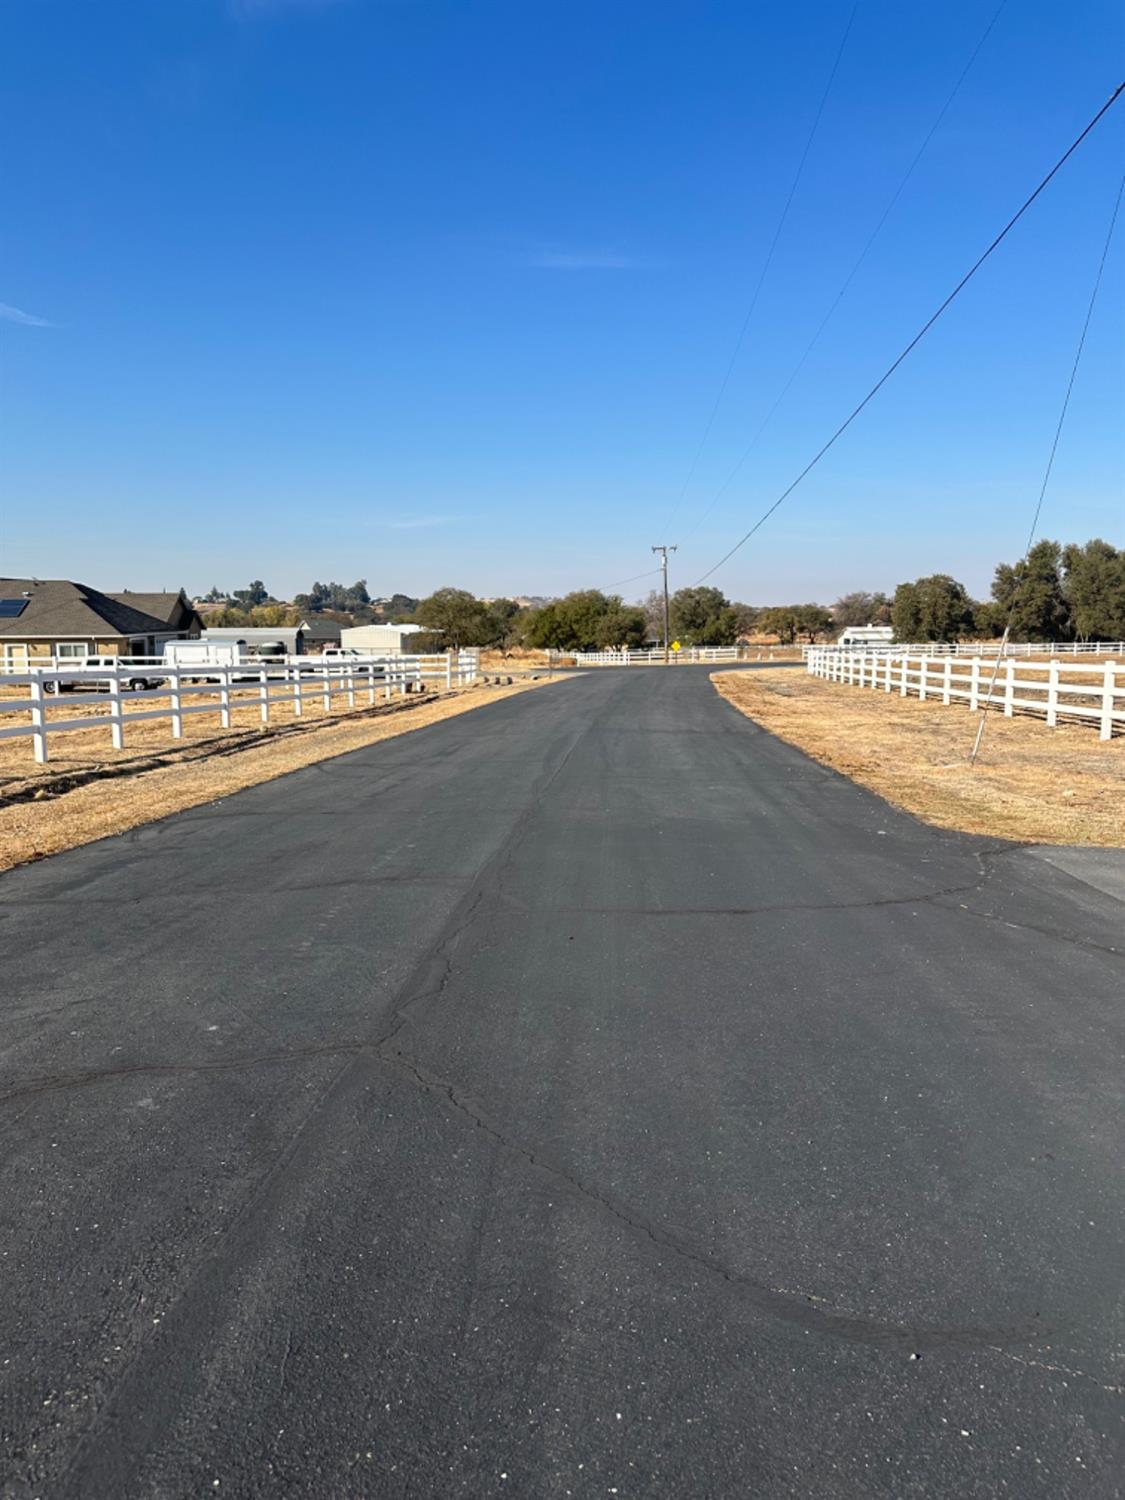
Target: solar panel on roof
11,608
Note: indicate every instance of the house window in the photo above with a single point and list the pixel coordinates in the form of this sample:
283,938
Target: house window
72,648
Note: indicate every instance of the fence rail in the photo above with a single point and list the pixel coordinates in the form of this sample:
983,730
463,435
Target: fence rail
1089,693
204,687
977,648
655,655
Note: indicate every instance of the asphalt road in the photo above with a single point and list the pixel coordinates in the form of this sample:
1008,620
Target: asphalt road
589,1095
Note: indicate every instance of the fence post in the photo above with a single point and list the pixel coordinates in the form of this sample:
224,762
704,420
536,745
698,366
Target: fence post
1009,687
351,686
38,721
887,674
225,675
264,694
176,703
903,676
116,729
298,689
370,670
325,672
974,684
946,681
449,671
1109,692
923,674
1052,694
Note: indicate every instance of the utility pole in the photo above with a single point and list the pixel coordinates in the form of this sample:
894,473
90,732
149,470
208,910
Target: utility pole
664,551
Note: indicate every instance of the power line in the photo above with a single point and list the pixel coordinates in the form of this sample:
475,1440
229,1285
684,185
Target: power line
1074,368
622,581
1047,471
918,337
895,196
765,266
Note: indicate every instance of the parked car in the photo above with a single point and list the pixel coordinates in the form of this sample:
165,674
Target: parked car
139,683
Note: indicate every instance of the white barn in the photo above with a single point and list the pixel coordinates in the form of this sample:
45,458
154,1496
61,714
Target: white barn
378,640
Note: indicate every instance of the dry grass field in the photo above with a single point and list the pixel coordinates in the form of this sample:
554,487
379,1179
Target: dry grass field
1030,783
89,790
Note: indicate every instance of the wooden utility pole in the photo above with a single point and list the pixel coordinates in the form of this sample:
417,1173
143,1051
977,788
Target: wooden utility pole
664,551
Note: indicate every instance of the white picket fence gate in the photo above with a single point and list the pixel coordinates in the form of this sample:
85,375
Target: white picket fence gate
1091,693
196,688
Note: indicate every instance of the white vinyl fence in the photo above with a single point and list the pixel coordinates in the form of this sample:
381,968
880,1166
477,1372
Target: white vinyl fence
1115,649
202,687
1090,692
655,654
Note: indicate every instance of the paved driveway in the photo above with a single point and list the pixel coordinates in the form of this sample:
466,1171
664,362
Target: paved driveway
589,1095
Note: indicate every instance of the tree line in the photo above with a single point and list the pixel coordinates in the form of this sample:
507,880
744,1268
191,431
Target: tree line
1074,592
1055,593
351,604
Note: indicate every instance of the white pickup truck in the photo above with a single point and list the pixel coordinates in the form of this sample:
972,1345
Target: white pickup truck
140,678
340,658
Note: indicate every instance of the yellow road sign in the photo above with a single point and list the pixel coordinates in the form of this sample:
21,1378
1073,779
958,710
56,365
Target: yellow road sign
676,646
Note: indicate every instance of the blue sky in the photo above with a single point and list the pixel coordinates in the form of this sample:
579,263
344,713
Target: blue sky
444,293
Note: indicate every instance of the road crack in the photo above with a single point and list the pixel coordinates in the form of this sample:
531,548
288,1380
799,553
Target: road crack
804,1310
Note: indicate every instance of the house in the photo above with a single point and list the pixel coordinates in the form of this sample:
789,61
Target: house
320,631
379,640
45,617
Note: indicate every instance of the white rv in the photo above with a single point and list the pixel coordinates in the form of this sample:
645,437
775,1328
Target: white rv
866,635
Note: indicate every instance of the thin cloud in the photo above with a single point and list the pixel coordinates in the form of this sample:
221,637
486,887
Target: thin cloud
584,260
16,315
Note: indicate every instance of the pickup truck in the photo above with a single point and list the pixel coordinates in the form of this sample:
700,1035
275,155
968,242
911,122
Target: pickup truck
138,681
340,658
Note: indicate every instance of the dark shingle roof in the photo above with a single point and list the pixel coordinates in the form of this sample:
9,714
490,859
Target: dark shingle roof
56,607
160,606
316,628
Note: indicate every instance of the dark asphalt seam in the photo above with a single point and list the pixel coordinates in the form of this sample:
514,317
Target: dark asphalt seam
801,1309
775,1302
754,911
989,859
1048,932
